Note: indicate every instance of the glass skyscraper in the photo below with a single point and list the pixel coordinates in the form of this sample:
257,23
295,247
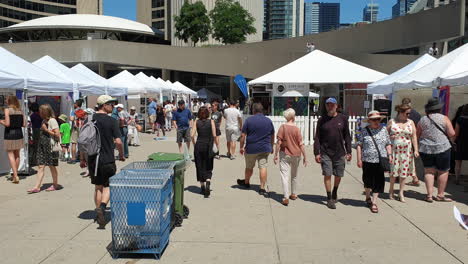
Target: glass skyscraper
321,17
402,7
370,13
285,18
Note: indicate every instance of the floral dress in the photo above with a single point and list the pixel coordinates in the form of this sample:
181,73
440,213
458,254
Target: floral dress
402,150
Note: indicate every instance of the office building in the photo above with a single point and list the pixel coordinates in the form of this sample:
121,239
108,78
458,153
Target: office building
160,15
17,11
286,18
321,17
370,13
402,7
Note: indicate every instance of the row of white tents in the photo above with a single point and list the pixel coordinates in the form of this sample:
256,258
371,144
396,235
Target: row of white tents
48,76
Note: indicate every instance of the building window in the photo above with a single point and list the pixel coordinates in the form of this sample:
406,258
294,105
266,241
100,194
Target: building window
4,23
158,14
159,25
52,9
157,3
17,14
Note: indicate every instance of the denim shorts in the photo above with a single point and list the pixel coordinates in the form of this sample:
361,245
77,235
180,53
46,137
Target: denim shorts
439,161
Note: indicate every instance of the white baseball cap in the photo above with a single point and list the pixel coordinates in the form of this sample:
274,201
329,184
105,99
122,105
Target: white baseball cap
104,99
120,106
133,108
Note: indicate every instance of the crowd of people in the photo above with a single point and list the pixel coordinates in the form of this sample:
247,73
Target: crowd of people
397,147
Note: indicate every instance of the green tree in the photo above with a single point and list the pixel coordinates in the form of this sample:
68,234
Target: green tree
193,23
231,22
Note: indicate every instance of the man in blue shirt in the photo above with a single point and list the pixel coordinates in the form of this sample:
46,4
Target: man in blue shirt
152,113
258,136
182,121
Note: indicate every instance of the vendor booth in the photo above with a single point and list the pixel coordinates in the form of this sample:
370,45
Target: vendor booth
318,72
24,79
111,89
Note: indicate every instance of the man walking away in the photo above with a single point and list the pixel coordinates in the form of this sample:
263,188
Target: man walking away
124,118
152,114
182,122
233,127
109,133
258,137
332,145
76,125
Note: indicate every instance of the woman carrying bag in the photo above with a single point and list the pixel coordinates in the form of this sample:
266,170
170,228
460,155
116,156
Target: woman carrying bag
374,155
48,149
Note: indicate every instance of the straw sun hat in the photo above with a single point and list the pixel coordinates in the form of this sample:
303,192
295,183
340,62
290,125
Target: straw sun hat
374,115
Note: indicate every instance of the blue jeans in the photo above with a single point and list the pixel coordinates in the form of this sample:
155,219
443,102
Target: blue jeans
124,138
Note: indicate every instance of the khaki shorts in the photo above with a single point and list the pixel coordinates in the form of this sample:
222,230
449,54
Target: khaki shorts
75,134
232,135
260,158
152,119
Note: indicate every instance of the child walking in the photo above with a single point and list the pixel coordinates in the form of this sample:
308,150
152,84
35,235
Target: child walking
65,132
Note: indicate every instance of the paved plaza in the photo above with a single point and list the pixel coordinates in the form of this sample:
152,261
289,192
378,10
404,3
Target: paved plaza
237,225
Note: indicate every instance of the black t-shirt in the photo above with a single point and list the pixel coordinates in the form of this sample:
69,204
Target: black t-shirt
333,137
109,130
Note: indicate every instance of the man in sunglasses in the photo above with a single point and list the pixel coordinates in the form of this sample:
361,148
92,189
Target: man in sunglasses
110,138
332,147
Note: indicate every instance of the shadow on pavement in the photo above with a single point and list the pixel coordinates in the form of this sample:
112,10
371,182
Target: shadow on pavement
313,198
136,257
353,202
193,189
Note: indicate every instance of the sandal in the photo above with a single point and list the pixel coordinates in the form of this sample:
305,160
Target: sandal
414,183
293,197
369,202
374,209
15,180
34,190
429,199
51,189
443,199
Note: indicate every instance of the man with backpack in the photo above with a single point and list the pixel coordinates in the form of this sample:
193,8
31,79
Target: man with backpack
98,140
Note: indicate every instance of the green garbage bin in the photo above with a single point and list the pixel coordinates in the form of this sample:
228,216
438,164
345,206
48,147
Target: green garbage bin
181,164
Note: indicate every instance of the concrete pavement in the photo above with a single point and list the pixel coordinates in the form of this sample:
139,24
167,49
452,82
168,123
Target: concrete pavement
236,225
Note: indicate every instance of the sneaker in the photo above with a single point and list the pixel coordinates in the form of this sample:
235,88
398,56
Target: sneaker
232,157
101,217
243,184
285,202
331,204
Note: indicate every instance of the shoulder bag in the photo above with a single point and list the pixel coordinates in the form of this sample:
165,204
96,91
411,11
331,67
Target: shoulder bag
453,145
383,161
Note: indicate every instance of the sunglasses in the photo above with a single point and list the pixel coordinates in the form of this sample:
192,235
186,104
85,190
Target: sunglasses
374,120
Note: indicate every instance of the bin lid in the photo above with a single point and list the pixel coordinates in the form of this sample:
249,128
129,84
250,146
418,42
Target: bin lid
163,156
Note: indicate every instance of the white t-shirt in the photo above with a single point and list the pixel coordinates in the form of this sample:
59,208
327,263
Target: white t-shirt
169,108
433,52
52,124
232,116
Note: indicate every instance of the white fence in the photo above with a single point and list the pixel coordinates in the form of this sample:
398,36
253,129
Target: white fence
308,126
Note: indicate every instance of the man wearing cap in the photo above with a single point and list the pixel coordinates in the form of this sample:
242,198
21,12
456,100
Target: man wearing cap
76,125
152,113
182,121
124,117
332,147
110,139
132,128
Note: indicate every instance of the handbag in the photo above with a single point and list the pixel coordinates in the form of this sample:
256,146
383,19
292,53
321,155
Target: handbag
453,145
55,144
383,161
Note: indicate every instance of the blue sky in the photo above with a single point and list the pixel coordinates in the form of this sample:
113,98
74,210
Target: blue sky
351,10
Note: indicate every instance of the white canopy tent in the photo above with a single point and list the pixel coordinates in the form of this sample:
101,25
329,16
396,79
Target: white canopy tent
162,86
81,84
134,85
320,68
298,94
112,90
185,88
451,69
150,86
17,73
386,85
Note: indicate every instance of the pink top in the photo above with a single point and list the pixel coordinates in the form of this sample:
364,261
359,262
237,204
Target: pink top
291,140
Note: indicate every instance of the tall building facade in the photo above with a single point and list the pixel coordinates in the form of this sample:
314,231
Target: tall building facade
402,7
160,15
321,17
286,18
370,13
17,11
311,18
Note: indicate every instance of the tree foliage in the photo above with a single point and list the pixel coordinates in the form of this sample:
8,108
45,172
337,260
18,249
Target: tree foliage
193,23
231,22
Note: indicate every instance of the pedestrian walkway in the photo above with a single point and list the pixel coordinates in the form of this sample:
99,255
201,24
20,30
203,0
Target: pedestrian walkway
237,225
